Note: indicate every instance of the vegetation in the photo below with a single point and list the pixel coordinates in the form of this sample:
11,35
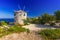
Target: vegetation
11,29
17,29
50,34
34,20
3,23
52,24
26,22
46,18
57,15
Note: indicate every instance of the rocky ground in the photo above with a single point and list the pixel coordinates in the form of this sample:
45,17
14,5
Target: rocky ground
22,36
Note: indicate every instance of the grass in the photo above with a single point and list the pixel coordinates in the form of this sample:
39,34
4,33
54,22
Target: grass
12,29
50,34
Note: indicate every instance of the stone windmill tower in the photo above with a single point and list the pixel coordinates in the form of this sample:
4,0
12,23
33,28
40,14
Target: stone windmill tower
20,16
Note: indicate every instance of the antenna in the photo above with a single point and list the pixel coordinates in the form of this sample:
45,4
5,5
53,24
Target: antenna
24,9
19,7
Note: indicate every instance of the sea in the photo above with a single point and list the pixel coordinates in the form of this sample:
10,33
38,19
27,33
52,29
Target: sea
7,19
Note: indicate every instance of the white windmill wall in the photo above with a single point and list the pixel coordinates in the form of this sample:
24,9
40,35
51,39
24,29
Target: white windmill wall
20,16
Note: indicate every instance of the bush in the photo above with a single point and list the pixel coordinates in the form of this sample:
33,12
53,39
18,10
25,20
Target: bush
12,29
52,24
3,23
17,29
51,34
3,32
25,22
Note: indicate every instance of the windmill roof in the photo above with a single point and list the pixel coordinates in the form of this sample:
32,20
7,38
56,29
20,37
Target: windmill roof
20,11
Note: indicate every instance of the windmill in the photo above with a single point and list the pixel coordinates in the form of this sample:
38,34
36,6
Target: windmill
20,15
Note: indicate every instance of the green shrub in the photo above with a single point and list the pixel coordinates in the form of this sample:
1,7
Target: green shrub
3,32
28,31
3,23
17,29
12,29
25,22
52,34
52,24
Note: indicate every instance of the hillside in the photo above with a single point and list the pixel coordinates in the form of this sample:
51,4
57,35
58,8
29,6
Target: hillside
22,36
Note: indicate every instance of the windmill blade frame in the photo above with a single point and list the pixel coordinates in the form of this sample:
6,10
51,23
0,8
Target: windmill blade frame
19,7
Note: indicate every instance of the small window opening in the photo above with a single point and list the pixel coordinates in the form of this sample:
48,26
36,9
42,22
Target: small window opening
24,14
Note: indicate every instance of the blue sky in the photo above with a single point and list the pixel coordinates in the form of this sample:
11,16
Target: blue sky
35,7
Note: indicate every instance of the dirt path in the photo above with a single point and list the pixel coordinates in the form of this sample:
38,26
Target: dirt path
36,27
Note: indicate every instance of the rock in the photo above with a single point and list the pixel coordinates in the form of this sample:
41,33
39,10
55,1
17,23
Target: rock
22,36
5,27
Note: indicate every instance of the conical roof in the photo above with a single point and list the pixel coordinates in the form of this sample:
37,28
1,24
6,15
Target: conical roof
20,11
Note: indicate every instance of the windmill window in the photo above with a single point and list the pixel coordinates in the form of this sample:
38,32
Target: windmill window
24,14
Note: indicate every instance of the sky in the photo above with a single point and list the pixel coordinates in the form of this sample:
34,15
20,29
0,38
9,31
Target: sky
34,8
